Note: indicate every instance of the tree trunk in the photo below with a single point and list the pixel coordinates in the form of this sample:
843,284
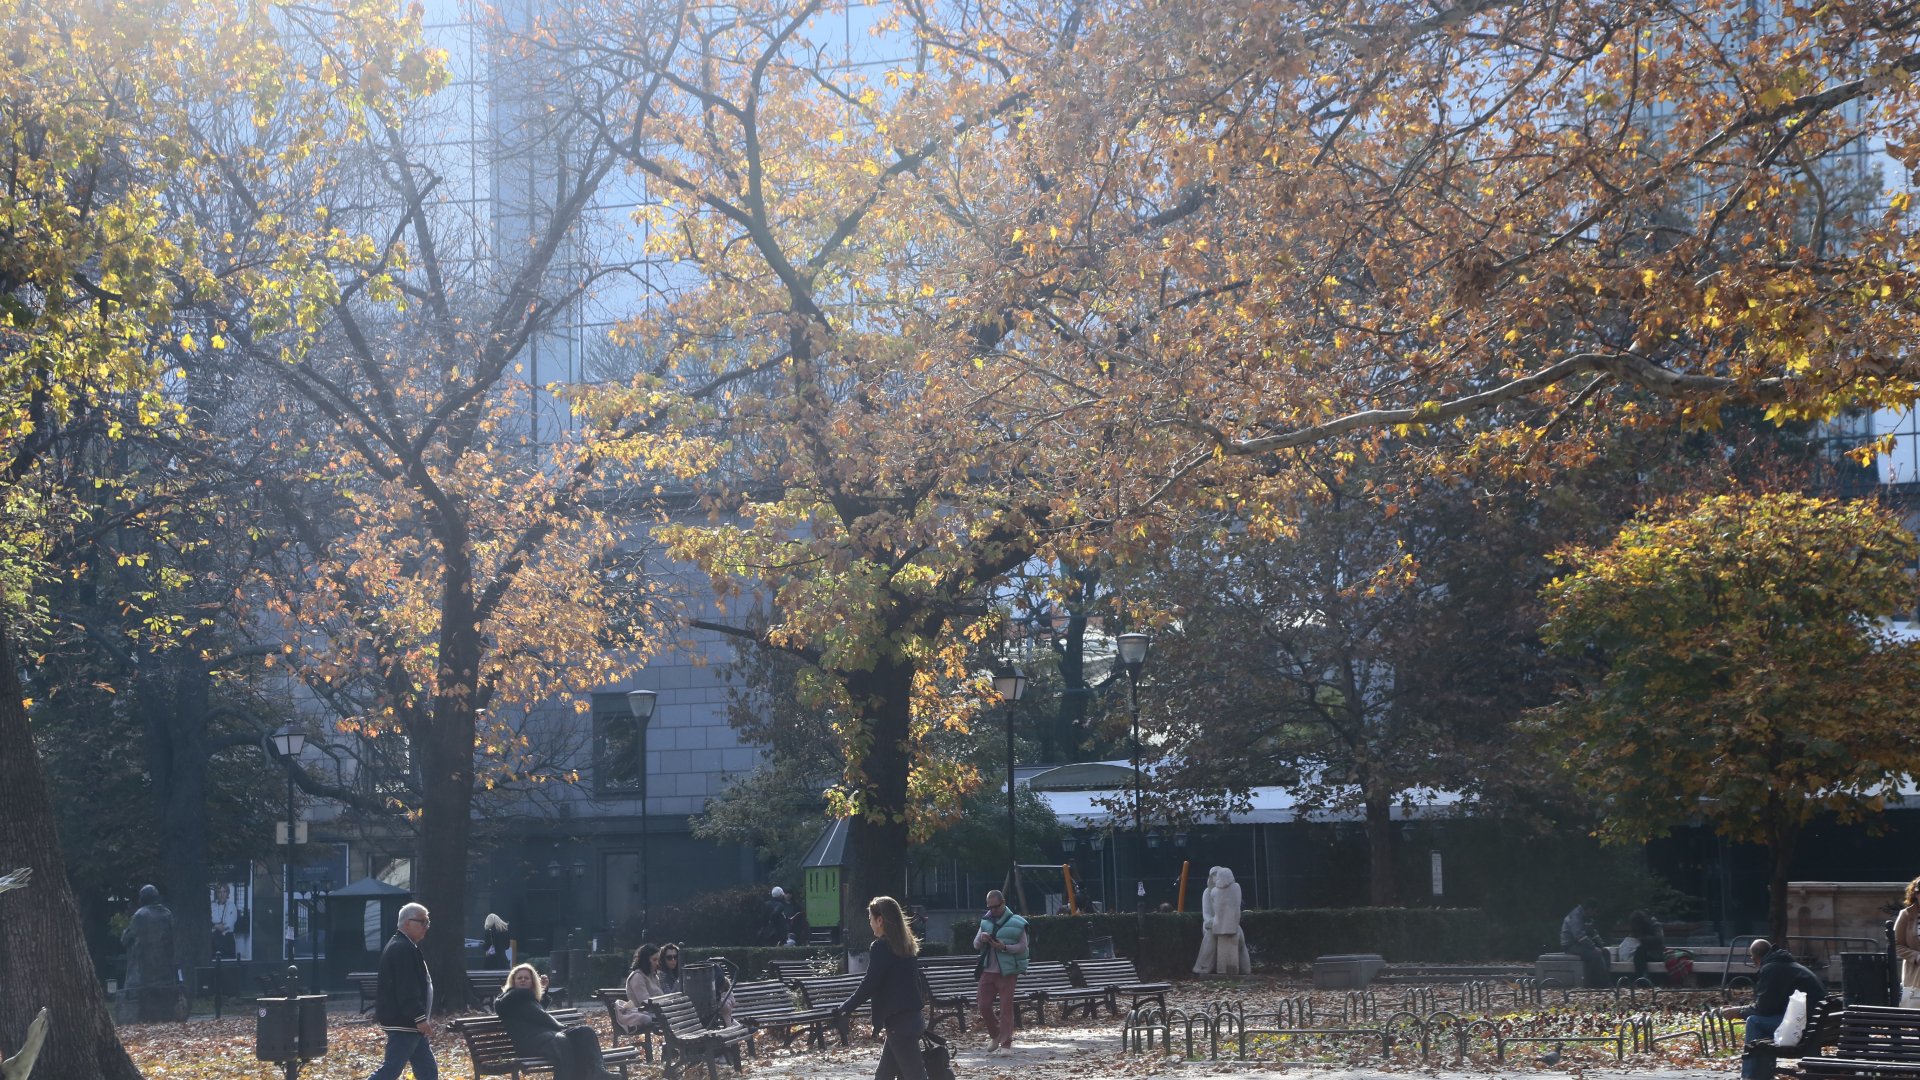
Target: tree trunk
173,706
879,837
1780,866
43,954
440,876
1380,884
445,767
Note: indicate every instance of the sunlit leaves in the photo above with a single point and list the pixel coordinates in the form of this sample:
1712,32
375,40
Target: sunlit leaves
1743,671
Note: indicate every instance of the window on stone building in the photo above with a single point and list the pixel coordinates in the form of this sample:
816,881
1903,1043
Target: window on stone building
619,748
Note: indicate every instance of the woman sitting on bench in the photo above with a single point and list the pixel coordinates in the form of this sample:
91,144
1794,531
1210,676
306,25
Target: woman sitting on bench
574,1051
642,987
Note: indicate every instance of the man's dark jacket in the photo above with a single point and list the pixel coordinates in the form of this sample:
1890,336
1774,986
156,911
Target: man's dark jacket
1779,976
529,1027
405,990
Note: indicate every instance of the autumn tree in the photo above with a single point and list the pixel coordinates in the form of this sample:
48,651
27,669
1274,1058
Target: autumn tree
1031,281
94,263
779,807
1740,670
1376,646
438,554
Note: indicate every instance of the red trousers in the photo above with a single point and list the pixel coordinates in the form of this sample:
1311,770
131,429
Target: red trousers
995,986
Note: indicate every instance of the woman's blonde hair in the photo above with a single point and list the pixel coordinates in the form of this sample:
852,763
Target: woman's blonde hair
517,968
893,926
1913,893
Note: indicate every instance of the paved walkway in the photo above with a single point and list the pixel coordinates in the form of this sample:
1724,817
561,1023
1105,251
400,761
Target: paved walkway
1056,1054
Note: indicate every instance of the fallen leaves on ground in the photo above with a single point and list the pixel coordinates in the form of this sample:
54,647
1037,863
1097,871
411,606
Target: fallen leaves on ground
1074,1049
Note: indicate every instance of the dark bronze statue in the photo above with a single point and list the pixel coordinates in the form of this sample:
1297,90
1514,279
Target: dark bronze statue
153,986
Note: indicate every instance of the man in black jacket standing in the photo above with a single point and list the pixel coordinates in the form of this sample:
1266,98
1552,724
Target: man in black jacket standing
1777,977
403,1001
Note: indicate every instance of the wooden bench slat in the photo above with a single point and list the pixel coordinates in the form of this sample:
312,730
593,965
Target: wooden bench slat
1866,1040
768,1005
607,996
491,1050
685,1038
1122,978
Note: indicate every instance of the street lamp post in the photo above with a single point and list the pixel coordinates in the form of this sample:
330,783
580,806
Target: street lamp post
641,703
1011,684
289,743
1133,653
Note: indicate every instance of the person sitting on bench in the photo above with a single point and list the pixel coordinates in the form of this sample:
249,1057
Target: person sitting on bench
1577,936
1776,977
574,1051
1651,947
632,1015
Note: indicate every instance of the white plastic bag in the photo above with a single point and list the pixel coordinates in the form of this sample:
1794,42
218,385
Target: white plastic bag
1794,1023
1910,997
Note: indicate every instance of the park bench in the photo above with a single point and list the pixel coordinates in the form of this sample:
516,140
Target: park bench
685,1038
767,1005
492,1051
826,991
1122,978
1823,1030
952,987
1873,1040
483,985
1049,982
368,983
788,970
607,995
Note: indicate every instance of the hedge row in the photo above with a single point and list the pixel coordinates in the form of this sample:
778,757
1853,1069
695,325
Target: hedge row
1295,935
610,969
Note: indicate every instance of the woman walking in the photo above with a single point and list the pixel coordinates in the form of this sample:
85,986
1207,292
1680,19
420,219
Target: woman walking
892,983
1906,945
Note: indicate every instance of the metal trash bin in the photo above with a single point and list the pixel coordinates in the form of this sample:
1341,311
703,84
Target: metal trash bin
707,983
1866,978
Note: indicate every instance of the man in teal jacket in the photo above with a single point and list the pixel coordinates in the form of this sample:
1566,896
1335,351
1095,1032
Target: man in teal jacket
1002,944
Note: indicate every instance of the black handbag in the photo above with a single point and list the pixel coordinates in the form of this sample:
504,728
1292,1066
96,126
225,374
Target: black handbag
937,1056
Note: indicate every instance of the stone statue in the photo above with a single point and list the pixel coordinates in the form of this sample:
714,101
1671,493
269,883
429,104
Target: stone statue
153,985
1223,948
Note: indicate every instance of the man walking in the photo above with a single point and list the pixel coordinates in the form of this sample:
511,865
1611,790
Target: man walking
1002,944
403,1000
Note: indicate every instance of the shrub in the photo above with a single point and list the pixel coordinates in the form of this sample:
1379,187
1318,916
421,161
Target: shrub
734,916
1295,935
610,969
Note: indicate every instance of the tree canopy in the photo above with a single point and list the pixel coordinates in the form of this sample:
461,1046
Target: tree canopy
1039,280
1741,670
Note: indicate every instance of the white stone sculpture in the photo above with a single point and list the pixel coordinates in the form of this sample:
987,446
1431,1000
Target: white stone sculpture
1223,948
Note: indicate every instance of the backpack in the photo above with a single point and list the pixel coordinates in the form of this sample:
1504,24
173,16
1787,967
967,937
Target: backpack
937,1056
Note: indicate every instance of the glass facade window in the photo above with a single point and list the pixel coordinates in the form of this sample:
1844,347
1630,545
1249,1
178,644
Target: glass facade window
619,753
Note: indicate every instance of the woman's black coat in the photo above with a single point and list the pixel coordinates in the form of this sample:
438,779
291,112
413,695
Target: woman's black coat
527,1024
892,983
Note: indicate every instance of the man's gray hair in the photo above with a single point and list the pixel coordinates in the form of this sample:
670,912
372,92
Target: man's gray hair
409,911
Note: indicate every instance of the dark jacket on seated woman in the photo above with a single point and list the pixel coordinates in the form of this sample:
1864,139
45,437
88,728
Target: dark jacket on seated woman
529,1026
575,1051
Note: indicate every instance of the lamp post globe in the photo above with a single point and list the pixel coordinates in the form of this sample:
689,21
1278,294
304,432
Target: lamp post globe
1011,684
641,704
289,741
1132,652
